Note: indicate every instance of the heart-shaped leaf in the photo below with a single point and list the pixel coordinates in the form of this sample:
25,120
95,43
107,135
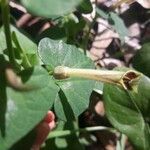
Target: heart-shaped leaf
129,111
76,90
50,8
25,109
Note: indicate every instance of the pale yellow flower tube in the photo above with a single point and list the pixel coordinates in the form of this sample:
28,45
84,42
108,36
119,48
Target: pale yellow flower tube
124,78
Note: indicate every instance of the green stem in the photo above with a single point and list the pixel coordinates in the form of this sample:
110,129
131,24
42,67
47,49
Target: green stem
86,39
6,22
54,134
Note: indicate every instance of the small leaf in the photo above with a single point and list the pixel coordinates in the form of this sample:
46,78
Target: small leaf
77,91
141,59
118,25
25,109
102,13
128,111
50,8
115,21
55,33
74,26
85,7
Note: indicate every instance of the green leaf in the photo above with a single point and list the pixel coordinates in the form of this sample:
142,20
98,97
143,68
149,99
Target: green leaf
55,33
74,26
77,91
128,111
141,59
118,24
116,21
50,8
24,110
98,88
102,13
85,7
67,30
57,53
26,142
62,107
76,100
2,40
26,44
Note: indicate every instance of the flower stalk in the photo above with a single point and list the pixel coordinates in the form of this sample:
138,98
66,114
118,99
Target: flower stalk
126,79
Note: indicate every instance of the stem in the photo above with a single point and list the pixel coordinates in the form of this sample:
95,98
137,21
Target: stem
6,22
86,39
54,134
126,79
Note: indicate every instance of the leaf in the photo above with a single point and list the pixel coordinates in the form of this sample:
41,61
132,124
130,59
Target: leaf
77,91
141,59
98,88
116,21
25,109
2,40
62,107
57,53
50,8
28,46
128,111
26,142
118,25
74,26
56,33
85,7
102,13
